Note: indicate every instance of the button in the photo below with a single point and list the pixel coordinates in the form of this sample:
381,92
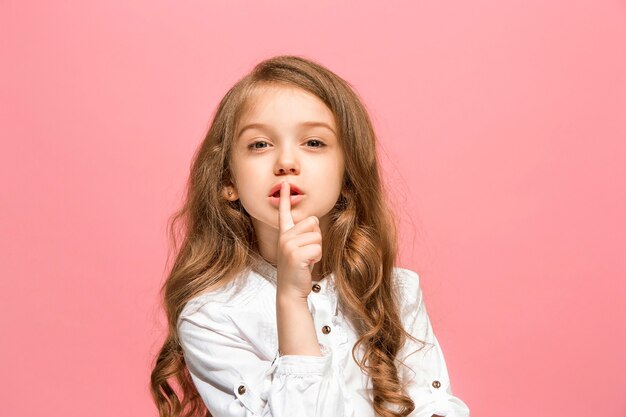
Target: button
242,389
316,287
326,329
436,384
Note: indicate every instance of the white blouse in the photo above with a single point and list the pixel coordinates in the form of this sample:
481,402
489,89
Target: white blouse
230,344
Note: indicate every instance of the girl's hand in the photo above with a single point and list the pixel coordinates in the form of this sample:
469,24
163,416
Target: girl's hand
299,248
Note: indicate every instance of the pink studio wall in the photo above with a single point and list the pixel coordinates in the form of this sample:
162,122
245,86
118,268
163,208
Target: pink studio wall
503,135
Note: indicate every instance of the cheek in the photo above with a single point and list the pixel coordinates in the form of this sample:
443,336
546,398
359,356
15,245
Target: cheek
242,172
337,169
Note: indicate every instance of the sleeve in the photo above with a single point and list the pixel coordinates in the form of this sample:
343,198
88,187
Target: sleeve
234,379
425,370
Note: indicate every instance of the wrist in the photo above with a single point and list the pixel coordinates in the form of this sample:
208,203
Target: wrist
290,298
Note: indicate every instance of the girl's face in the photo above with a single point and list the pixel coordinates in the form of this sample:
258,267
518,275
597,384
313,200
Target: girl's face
287,134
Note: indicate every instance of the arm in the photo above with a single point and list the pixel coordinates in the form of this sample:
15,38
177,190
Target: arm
298,248
296,334
236,377
425,366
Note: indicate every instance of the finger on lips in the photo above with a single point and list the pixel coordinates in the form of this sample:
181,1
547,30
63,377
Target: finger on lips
285,221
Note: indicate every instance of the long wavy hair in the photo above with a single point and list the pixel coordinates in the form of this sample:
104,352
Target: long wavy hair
213,239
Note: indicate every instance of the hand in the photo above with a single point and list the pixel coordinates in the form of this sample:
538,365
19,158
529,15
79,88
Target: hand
299,248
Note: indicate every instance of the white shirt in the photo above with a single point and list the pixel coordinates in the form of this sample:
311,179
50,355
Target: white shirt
230,343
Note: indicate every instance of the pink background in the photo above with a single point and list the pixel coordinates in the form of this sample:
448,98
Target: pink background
503,134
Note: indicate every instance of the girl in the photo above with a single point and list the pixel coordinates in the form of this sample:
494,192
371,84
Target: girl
284,299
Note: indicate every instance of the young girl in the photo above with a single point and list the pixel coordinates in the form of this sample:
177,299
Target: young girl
284,299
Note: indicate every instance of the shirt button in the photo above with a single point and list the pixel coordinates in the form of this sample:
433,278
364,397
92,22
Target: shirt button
436,384
326,329
241,390
316,288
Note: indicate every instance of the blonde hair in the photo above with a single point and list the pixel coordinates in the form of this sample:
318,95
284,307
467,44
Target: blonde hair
218,240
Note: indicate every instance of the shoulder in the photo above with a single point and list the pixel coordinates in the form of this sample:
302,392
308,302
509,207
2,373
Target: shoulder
242,312
407,284
405,278
411,305
246,291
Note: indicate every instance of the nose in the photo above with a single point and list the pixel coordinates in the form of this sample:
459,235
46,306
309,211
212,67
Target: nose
286,164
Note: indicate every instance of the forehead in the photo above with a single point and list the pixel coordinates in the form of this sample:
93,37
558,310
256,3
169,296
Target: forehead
283,106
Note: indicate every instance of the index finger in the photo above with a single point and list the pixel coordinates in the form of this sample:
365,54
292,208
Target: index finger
285,221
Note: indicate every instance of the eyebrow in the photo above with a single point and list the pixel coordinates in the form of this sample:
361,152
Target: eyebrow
264,126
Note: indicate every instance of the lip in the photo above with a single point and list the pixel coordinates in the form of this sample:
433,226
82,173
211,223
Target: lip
292,187
294,199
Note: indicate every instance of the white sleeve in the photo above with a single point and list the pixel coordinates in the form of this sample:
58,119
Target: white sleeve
234,378
426,368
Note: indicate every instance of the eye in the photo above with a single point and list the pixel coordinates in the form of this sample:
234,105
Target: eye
319,142
253,146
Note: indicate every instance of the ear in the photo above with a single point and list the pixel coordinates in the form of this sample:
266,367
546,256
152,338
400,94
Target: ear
229,192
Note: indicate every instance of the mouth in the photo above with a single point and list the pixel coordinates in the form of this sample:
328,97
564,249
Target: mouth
296,195
293,190
277,194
